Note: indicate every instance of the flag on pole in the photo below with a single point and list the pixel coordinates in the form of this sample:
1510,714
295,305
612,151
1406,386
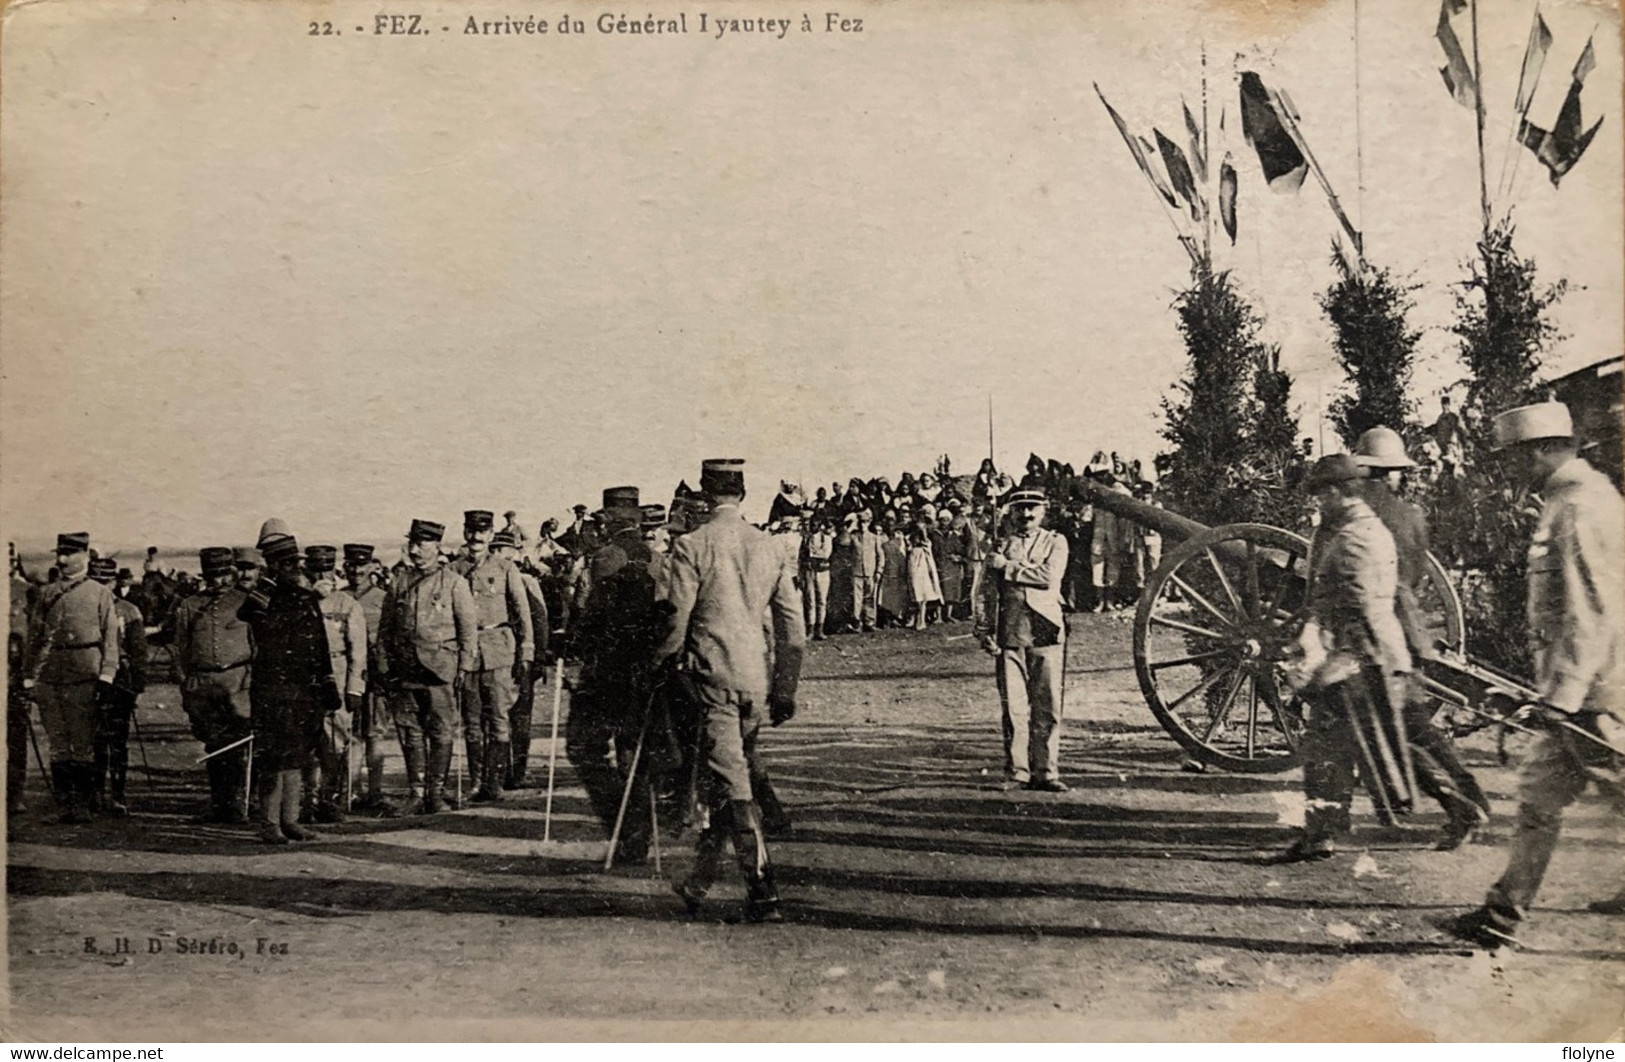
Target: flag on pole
1198,156
1584,65
1150,151
1179,172
1560,148
1139,149
1283,164
1458,75
1227,197
1534,57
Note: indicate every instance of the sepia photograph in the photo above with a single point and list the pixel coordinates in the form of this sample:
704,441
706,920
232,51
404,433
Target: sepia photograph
900,520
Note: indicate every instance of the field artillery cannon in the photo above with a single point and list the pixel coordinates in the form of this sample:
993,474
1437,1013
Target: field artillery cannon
1219,618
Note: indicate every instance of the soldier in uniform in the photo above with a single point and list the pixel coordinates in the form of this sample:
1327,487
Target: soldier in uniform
1353,580
1576,614
327,783
617,627
73,658
816,549
427,644
1439,770
1020,623
212,659
726,576
503,655
505,545
373,721
247,564
113,731
867,570
293,688
17,704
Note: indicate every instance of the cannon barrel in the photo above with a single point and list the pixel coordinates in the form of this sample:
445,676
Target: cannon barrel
1169,525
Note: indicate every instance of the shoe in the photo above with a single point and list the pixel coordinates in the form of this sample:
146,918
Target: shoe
1483,928
1011,784
118,809
1048,785
1192,766
411,805
691,900
1303,850
435,804
271,833
1614,905
762,912
485,796
295,832
1461,828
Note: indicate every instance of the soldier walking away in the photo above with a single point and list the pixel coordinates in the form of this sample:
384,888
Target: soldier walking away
292,689
1354,572
212,653
426,650
503,655
373,722
1576,614
327,785
505,545
617,630
1439,770
1021,625
725,577
118,707
73,658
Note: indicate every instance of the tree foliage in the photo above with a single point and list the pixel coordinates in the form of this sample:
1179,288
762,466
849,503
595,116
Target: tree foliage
1230,426
1376,347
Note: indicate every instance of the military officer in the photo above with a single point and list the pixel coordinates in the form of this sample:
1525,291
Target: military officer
427,645
247,564
1576,613
617,627
1353,581
293,688
505,545
373,723
503,656
1020,623
73,658
1439,770
212,654
113,731
725,577
327,782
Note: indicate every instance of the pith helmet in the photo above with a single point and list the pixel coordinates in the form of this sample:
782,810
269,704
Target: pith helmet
1382,448
1543,420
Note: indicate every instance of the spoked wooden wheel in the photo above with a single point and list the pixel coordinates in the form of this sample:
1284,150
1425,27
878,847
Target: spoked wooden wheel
1444,626
1214,625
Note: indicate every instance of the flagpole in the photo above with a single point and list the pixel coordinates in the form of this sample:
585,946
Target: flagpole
1208,177
1478,113
1179,233
1290,124
990,432
1359,138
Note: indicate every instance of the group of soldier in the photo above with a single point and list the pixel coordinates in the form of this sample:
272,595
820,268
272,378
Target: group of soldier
689,629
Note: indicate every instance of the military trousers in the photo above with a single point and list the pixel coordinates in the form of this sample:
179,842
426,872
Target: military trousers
487,699
1031,697
865,600
1554,774
425,713
815,599
71,717
600,740
1340,745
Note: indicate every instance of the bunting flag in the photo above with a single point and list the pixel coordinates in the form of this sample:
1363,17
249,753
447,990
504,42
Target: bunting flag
1179,172
1137,148
1227,197
1283,164
1198,156
1584,65
1561,147
1534,57
1458,76
1150,151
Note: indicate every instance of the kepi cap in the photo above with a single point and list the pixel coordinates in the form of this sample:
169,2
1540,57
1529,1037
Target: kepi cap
104,569
321,558
426,531
723,475
357,553
214,560
478,520
73,542
504,539
620,498
246,557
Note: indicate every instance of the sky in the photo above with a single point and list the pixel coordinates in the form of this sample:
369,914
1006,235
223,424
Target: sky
353,280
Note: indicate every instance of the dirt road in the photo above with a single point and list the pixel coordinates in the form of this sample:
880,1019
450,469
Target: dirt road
921,901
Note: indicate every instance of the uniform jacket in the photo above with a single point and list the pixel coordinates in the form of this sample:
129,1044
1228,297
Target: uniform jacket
289,636
726,578
74,633
209,635
871,557
1030,580
1577,592
1354,574
1410,530
427,632
619,621
371,599
132,646
346,625
500,610
541,624
816,549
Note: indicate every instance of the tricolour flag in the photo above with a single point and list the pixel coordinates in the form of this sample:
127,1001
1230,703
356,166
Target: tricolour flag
1561,147
1227,196
1179,172
1139,149
1458,76
1283,164
1198,156
1534,57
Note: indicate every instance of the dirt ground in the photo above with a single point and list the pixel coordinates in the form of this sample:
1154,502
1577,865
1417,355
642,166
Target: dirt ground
920,900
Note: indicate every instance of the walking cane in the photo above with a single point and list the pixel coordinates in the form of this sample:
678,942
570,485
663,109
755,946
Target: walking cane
33,739
654,827
626,795
553,750
142,746
248,771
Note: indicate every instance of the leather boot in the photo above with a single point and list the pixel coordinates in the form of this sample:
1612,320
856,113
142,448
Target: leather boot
707,859
496,771
79,779
475,746
413,752
775,819
293,799
434,800
118,772
750,846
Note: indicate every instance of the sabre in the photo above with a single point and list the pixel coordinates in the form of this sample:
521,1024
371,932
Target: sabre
226,748
33,739
654,827
553,750
626,794
140,744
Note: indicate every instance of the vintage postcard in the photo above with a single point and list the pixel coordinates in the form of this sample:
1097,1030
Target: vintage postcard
1047,519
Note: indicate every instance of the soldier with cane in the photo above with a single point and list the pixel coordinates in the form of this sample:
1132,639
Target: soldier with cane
212,658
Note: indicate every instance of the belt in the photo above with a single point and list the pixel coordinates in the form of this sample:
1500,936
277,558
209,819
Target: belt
817,564
72,646
496,626
216,669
